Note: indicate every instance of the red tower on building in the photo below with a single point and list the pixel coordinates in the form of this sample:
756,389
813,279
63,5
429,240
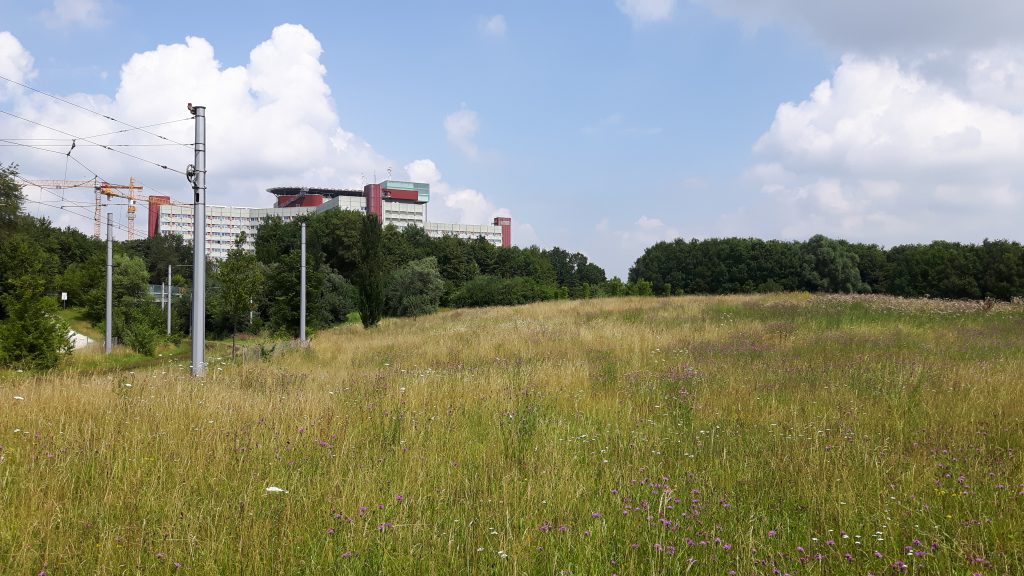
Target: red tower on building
506,230
154,212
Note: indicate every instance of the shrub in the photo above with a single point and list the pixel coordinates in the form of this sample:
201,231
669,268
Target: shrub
32,336
414,289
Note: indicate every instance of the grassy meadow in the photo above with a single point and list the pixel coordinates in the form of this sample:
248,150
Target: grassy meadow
789,434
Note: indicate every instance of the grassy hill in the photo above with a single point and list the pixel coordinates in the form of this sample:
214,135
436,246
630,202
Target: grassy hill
804,434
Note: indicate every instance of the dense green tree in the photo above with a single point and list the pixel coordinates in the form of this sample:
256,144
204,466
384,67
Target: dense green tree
240,279
160,251
484,254
615,287
414,289
11,198
21,255
830,266
334,301
130,285
275,239
1001,265
371,271
32,336
495,291
872,264
337,232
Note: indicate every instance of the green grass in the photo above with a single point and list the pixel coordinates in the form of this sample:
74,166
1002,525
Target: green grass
629,436
75,317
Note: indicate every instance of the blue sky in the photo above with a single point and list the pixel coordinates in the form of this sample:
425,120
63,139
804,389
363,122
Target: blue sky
601,126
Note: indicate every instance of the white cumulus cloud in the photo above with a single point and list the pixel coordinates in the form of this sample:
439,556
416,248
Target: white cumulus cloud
270,122
881,152
87,13
461,128
494,26
647,11
452,204
15,62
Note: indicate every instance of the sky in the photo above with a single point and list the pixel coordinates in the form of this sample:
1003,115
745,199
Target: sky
600,126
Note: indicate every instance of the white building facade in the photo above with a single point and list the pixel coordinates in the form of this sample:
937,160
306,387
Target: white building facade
394,202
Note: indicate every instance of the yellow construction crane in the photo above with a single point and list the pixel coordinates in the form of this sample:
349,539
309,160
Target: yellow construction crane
102,189
111,190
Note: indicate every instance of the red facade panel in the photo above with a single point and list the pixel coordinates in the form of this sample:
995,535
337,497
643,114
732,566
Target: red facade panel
307,200
154,212
402,194
374,200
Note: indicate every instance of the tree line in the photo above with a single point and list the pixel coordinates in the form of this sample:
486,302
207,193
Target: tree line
992,269
353,266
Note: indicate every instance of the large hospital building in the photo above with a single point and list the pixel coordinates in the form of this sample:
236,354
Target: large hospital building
393,202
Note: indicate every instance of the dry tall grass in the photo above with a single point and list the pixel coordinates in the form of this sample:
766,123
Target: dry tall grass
794,433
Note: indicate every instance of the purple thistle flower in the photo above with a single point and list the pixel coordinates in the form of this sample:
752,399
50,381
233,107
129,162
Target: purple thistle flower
772,533
595,514
399,498
330,531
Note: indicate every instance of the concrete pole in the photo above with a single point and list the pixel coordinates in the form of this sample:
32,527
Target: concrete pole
163,295
108,335
169,292
199,244
302,289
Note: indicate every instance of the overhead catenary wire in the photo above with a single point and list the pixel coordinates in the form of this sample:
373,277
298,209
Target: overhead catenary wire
16,142
68,209
91,111
142,128
58,130
90,204
76,160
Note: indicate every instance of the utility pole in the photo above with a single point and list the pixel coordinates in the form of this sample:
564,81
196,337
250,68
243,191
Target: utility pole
163,295
170,291
108,333
302,290
197,175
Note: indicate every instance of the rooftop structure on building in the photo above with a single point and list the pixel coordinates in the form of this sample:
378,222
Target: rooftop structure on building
394,202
